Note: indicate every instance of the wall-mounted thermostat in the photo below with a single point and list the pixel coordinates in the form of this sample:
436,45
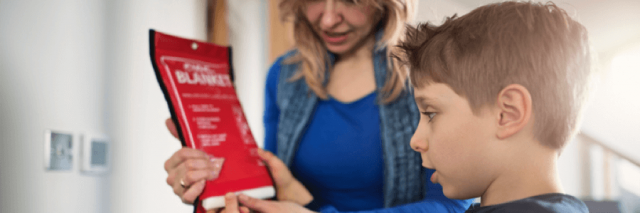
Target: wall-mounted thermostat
94,154
58,150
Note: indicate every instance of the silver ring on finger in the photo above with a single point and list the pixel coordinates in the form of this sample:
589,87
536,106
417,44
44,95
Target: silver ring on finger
184,186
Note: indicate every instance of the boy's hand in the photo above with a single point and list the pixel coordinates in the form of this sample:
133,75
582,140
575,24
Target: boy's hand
287,187
264,206
230,205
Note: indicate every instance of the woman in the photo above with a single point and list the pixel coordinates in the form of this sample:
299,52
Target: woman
337,115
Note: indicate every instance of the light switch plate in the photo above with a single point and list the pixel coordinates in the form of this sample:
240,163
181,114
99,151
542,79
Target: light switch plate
58,150
95,154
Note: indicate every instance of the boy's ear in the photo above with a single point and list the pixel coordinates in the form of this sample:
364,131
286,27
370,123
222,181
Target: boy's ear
514,107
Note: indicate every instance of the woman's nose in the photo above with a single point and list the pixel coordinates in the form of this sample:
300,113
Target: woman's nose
331,15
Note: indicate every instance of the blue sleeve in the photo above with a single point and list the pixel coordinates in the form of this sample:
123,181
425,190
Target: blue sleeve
434,201
271,110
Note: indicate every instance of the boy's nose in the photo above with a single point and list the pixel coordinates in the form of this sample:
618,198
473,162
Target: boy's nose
419,144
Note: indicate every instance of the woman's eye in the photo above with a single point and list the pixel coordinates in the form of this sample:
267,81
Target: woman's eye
349,1
430,115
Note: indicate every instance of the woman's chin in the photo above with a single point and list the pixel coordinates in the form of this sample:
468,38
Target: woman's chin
338,49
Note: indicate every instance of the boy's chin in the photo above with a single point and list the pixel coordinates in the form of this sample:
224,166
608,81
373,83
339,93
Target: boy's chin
453,193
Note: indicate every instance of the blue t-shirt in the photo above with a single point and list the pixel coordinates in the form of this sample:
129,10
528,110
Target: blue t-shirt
339,157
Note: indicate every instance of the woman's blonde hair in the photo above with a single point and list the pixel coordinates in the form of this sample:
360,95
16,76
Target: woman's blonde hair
313,57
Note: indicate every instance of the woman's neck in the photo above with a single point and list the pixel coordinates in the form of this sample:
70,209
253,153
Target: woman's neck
352,75
362,52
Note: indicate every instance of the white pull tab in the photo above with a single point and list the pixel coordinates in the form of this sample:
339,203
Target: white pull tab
194,46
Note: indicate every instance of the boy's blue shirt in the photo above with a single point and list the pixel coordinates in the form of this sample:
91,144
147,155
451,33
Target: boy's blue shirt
432,201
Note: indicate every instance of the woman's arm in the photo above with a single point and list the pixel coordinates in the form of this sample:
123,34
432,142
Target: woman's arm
288,188
271,110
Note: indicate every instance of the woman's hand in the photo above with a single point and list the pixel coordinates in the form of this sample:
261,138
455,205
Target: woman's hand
287,187
264,206
188,170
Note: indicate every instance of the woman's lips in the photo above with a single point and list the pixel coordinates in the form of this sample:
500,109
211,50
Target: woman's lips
334,38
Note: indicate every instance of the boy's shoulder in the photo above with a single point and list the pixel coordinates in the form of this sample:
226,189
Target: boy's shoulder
550,203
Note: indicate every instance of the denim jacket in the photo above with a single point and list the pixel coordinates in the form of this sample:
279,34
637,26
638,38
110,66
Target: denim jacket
404,177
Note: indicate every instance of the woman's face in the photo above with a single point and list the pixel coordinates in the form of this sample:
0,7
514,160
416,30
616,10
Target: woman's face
342,25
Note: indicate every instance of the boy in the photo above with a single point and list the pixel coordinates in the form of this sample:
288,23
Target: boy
501,91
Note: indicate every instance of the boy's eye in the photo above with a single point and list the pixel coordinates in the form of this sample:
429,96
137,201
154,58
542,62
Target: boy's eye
429,114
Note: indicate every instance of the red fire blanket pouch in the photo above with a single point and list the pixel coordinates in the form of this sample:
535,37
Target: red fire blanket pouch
196,82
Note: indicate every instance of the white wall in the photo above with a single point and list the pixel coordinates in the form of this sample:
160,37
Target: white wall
248,36
83,66
136,106
51,77
435,11
612,116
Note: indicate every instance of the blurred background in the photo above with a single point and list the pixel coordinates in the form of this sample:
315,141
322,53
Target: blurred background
81,69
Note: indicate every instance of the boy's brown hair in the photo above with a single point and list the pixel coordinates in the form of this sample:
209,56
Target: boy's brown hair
532,44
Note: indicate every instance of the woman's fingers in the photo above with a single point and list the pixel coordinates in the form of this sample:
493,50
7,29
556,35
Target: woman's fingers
276,165
189,184
188,169
193,192
202,170
172,127
194,170
182,155
281,174
266,155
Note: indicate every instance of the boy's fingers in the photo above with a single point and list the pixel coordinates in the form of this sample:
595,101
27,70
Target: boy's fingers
231,203
216,210
255,204
244,209
172,127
